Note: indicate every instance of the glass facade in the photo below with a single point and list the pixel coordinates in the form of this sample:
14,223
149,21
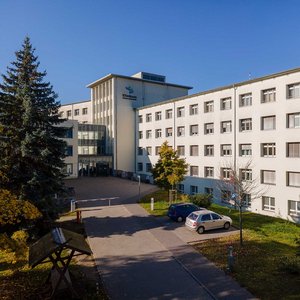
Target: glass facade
91,139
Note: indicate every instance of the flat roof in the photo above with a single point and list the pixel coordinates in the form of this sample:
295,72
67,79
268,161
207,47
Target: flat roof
83,101
109,76
274,75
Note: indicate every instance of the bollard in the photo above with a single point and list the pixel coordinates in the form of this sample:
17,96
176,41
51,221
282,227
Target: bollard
72,205
152,203
78,215
230,259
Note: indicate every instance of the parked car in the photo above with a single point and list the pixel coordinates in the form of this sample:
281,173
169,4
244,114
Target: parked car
203,220
179,211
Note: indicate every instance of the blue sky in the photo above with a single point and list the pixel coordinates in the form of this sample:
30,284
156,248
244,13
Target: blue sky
204,44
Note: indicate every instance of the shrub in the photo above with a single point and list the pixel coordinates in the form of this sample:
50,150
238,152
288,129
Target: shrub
290,265
202,200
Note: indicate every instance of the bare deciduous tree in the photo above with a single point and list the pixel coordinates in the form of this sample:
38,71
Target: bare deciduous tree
239,188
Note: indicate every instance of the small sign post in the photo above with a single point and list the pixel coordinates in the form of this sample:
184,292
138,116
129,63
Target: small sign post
152,203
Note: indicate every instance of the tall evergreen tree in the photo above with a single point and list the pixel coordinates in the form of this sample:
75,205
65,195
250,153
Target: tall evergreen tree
31,151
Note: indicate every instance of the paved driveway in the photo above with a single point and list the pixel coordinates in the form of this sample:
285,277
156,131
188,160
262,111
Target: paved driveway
143,257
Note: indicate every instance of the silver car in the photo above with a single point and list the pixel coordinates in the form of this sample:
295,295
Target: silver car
206,220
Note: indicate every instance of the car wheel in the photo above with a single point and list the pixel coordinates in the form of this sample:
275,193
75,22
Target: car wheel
227,225
179,219
200,230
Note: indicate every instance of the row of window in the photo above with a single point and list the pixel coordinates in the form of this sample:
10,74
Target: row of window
268,95
267,123
84,111
266,176
268,203
267,150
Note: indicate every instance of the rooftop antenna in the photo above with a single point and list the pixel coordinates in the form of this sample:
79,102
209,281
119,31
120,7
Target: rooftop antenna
249,75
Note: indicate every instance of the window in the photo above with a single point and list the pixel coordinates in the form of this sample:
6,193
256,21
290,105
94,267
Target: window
209,190
208,150
225,195
194,170
246,174
194,151
180,188
293,149
246,100
169,114
180,150
69,151
69,113
84,111
293,91
225,103
209,106
226,150
293,120
268,123
246,124
148,118
225,126
293,179
169,132
148,167
294,208
157,150
140,135
225,173
268,177
76,112
149,150
140,167
194,130
194,109
245,149
208,172
158,116
148,134
180,131
268,95
69,169
180,112
208,128
69,133
246,200
268,203
140,151
140,119
268,150
158,133
194,189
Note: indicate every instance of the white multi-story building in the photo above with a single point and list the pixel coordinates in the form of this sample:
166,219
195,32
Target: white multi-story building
80,111
253,126
114,99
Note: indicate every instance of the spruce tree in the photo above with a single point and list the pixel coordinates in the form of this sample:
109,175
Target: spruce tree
31,148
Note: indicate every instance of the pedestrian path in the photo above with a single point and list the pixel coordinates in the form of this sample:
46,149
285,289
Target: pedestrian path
139,259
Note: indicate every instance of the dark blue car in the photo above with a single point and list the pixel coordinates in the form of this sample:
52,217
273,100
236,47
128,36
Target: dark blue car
179,211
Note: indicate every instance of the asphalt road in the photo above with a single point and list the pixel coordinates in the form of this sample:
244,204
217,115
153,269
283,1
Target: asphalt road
143,257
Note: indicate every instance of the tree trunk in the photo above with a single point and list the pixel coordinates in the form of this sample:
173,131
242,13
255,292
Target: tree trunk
241,226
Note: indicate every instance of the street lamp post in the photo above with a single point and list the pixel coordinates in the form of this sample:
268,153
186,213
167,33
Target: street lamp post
139,178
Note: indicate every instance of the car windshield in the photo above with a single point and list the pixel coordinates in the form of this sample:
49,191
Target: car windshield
193,216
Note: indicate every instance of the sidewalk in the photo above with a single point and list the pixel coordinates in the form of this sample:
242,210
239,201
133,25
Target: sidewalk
139,258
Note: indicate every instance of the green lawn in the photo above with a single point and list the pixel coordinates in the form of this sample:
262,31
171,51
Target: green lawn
19,281
259,264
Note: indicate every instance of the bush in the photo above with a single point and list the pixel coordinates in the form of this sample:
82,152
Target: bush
290,265
202,200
